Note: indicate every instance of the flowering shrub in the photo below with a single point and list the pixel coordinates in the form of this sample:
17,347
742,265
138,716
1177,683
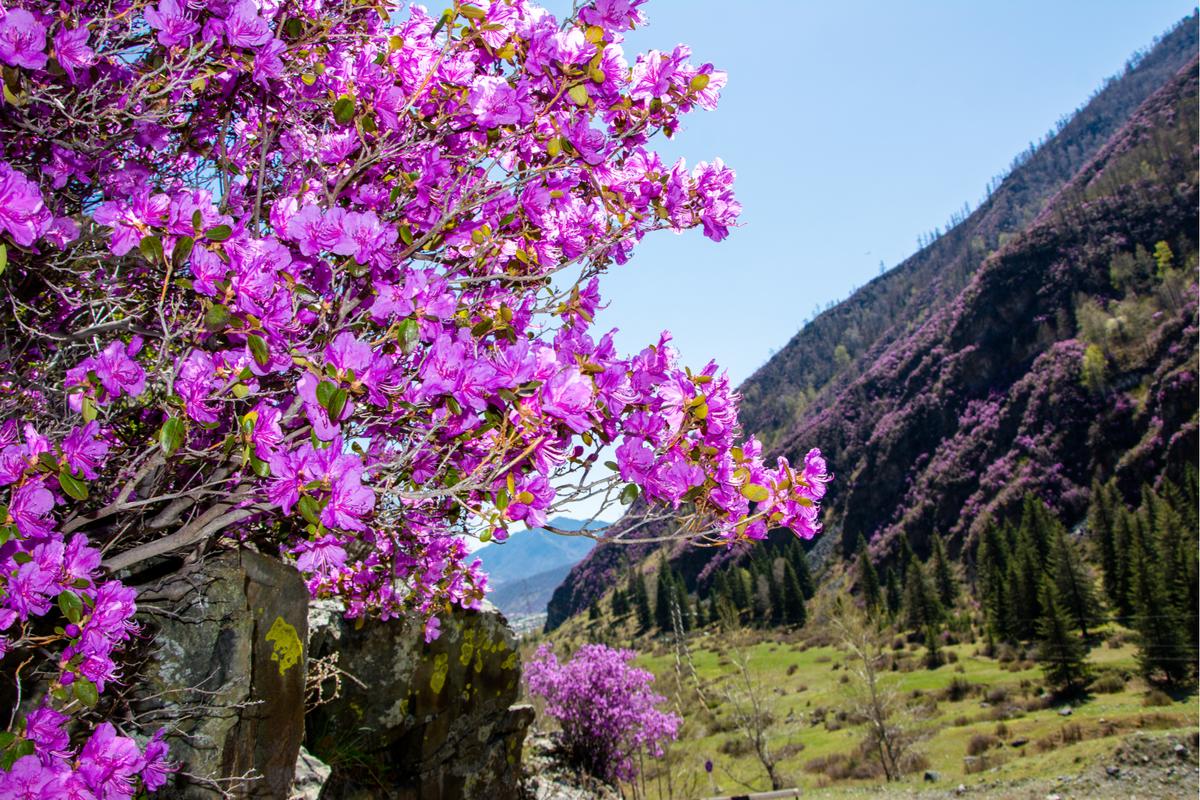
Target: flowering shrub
320,276
605,707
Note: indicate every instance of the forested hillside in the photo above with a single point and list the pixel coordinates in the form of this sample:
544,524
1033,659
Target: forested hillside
1047,340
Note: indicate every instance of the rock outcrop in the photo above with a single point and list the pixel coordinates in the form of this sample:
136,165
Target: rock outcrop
226,674
417,721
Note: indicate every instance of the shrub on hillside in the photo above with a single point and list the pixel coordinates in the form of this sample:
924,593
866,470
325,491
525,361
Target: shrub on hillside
605,706
1109,683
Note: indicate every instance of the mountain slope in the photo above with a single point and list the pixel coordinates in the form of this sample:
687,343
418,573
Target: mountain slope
524,569
963,386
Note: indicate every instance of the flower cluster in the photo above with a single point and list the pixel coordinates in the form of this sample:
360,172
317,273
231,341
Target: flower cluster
605,706
321,277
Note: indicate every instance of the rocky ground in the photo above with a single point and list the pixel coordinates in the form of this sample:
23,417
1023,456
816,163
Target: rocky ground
1144,766
547,779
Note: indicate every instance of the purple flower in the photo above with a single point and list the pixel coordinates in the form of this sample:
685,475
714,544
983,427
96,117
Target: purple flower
44,727
27,780
322,557
494,102
245,28
350,502
85,450
433,627
568,396
72,51
109,763
29,590
30,508
22,40
22,212
174,26
157,766
195,384
363,236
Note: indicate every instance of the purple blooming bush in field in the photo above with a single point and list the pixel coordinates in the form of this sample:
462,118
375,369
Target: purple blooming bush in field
319,277
605,707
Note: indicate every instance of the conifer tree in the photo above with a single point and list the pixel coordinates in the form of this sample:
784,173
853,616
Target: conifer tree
620,603
803,574
1061,652
1124,534
1163,644
682,603
921,606
1102,522
868,579
895,597
907,558
776,592
664,595
794,612
594,610
933,648
943,573
1072,582
641,602
1026,572
739,592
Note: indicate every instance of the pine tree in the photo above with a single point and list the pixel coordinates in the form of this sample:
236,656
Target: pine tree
907,558
1163,644
992,575
1102,522
1072,582
1026,572
776,592
682,603
1060,650
933,648
620,603
794,612
868,579
943,573
739,593
641,602
664,595
800,563
1124,534
594,610
921,606
895,597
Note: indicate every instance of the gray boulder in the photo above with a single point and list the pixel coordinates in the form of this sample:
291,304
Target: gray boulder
417,721
311,775
226,673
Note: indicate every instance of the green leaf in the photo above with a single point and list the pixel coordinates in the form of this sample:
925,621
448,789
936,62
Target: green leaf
171,437
699,82
502,499
755,493
197,220
325,390
261,468
218,233
258,349
309,509
525,498
72,485
183,249
3,258
71,606
337,404
406,235
578,94
151,249
408,332
7,531
343,109
629,494
19,748
88,409
472,12
216,318
85,690
612,465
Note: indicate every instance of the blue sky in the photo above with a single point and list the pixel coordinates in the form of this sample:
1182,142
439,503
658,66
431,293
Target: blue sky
853,127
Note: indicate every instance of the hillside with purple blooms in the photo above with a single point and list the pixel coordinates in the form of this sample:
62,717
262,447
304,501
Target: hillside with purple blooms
1034,347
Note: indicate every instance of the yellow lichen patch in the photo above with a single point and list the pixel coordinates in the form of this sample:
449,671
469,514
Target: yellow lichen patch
287,649
441,665
468,647
511,661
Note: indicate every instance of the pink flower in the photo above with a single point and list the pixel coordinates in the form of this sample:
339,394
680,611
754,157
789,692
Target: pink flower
22,212
72,52
174,26
22,40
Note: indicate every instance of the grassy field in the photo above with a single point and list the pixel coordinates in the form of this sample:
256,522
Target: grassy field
975,720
